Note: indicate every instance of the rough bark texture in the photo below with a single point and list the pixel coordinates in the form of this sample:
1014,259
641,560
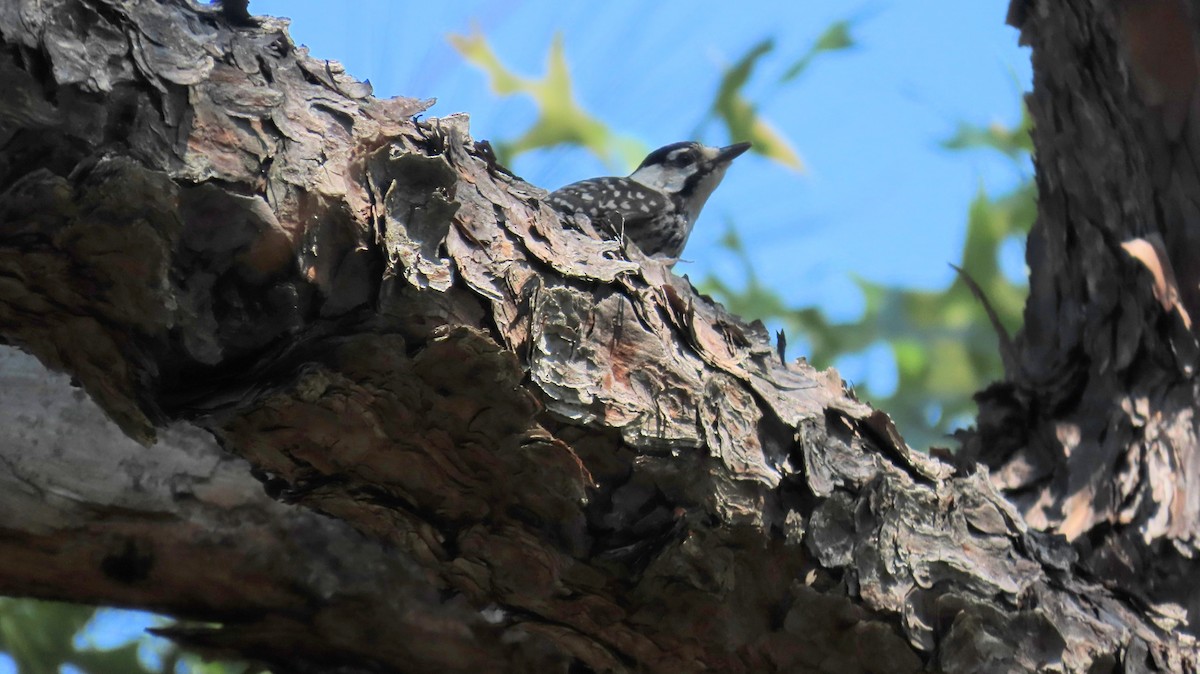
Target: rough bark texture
1094,433
556,455
92,516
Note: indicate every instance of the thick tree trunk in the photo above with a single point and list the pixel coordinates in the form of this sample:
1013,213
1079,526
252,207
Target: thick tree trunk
1094,433
542,452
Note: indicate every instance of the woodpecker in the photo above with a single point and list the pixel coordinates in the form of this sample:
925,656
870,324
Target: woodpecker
656,205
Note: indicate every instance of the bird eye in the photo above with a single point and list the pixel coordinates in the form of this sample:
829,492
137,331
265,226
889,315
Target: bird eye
684,159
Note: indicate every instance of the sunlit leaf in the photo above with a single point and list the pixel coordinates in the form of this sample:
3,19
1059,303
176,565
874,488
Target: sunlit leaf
561,120
737,75
1013,141
770,143
741,117
943,344
630,151
835,38
475,49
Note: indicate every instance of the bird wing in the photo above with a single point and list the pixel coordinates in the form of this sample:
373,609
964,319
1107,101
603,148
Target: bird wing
635,203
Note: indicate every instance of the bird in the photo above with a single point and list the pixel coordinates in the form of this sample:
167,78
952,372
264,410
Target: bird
656,206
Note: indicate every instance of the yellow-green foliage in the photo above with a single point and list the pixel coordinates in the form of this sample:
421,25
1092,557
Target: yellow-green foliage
944,347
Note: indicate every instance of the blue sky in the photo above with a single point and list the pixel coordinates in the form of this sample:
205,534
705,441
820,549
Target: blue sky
879,198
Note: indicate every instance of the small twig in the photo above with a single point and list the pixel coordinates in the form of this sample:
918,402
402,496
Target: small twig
1008,352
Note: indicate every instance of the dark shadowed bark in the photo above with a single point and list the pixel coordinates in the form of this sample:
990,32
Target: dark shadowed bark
536,450
1094,432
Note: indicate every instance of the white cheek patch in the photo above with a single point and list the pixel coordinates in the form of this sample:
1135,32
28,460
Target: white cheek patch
657,178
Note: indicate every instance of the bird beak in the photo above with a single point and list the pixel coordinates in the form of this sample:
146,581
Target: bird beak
729,152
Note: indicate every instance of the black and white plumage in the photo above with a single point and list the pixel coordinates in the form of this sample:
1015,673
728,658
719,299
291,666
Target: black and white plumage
656,206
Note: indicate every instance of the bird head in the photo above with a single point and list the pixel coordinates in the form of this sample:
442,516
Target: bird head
687,171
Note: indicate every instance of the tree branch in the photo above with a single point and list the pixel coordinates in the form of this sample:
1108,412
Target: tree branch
198,221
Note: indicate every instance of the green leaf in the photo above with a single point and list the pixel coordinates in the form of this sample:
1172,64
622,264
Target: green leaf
42,637
736,77
39,636
561,120
770,143
835,38
475,49
1013,142
944,346
741,117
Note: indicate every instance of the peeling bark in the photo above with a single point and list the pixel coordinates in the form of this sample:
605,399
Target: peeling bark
91,516
1093,433
556,455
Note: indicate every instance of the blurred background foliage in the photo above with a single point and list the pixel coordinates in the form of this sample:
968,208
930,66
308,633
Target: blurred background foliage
46,637
942,344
